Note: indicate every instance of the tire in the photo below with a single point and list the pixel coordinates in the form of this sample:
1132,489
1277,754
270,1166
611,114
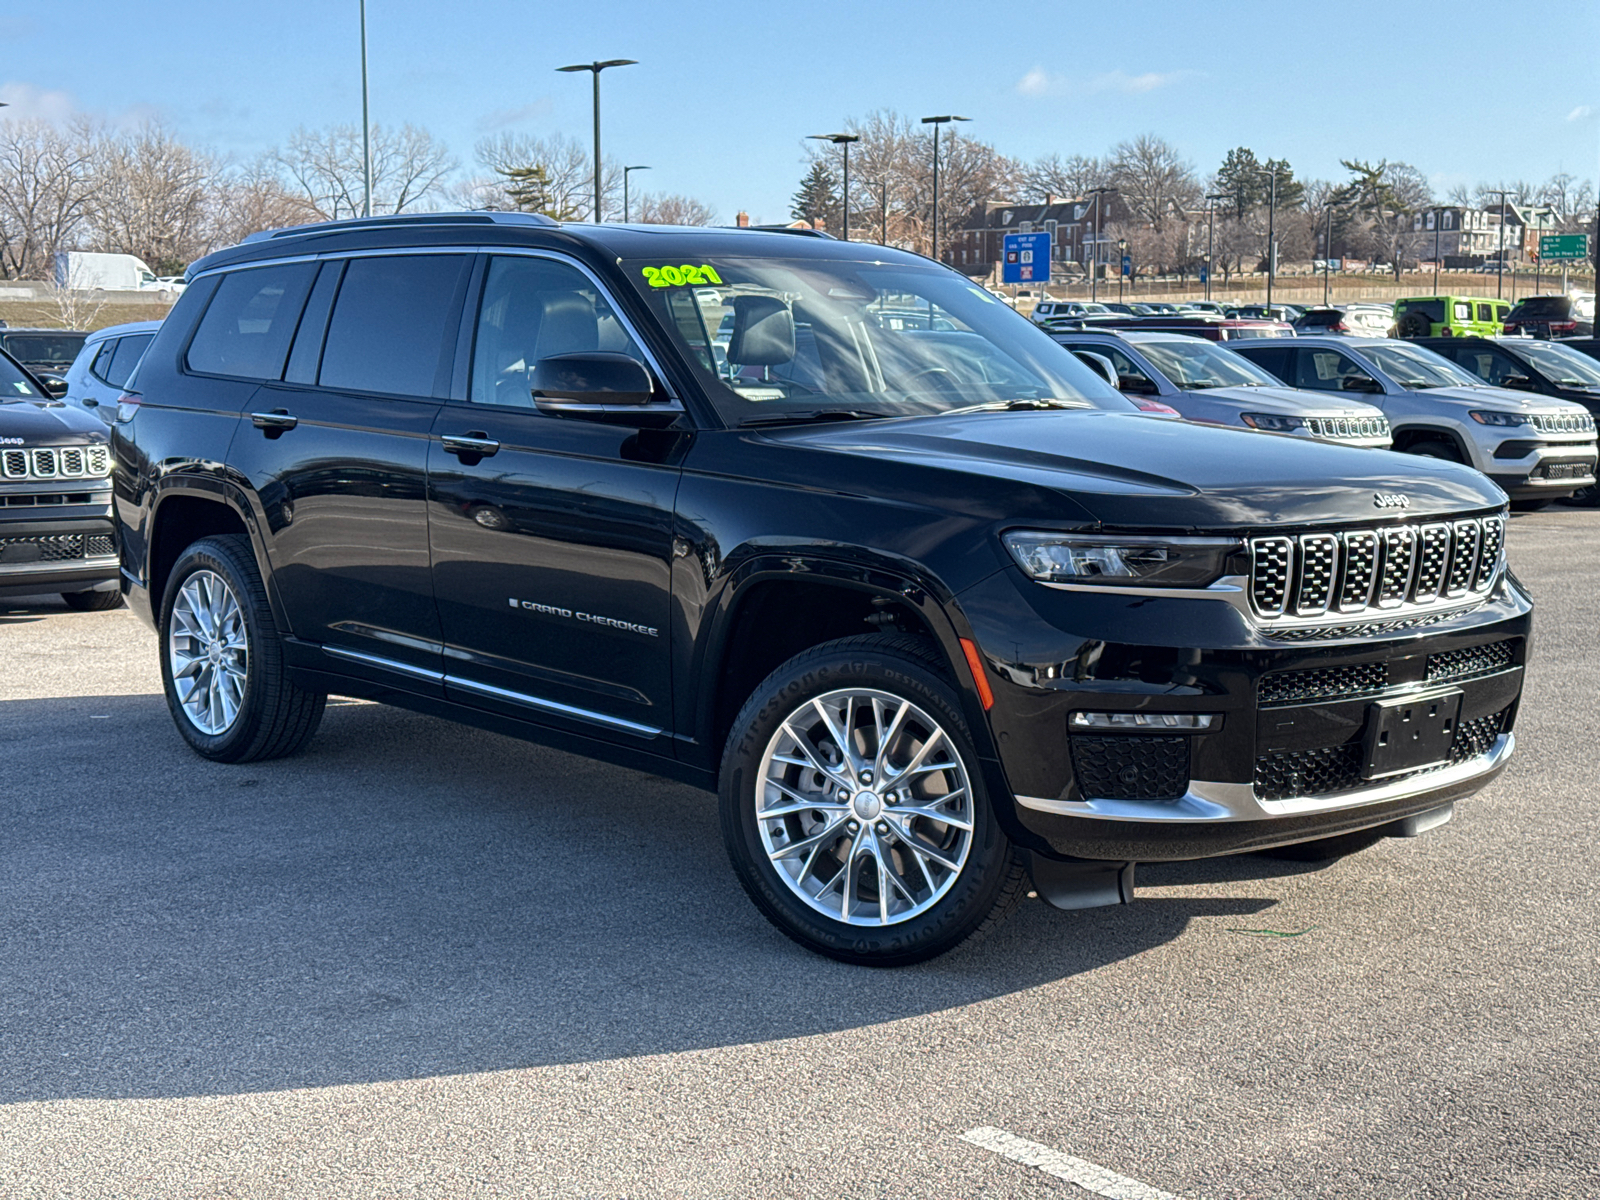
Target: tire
254,712
92,601
1584,497
1538,504
1326,849
1414,325
1436,449
945,883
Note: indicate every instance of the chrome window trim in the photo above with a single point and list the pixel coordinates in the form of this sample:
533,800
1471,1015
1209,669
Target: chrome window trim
1210,802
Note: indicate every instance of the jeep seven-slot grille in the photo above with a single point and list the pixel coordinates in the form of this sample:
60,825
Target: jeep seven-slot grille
1347,427
56,462
1329,770
1562,422
1361,570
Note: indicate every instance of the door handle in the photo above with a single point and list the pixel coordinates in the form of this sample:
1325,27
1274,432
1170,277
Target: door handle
274,422
476,443
90,402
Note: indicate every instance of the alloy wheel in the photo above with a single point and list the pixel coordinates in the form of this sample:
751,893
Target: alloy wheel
208,651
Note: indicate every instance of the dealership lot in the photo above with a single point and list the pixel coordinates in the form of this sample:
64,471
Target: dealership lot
426,960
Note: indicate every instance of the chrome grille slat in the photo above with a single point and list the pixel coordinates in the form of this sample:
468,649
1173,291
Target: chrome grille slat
1390,567
56,462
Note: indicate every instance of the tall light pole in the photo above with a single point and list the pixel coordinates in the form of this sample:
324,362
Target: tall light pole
1211,233
1094,252
596,68
366,120
625,171
1122,253
1327,257
1438,222
843,140
936,122
1500,272
1272,249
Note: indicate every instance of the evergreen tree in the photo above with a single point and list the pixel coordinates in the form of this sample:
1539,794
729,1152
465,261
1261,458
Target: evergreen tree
1239,178
818,197
528,188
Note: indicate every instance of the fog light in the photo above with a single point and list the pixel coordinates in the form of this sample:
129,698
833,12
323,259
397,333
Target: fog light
1144,721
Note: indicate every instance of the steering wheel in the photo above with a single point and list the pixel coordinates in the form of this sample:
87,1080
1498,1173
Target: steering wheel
940,377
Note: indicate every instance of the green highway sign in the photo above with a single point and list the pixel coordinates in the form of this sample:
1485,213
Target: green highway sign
1559,246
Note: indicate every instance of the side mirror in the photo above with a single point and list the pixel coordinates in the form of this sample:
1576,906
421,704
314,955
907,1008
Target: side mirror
1100,363
1521,383
1137,384
1361,383
53,387
599,385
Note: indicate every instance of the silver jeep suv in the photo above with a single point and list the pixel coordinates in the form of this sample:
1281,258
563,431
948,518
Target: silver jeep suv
1537,448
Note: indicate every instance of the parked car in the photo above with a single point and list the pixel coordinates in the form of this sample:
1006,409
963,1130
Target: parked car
97,376
1212,385
1202,306
1286,313
1355,322
56,532
1553,316
1449,316
931,610
1050,312
1130,310
1589,346
1527,365
46,353
1439,410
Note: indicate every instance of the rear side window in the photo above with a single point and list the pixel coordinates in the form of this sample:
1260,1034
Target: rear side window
1463,312
392,323
1486,312
1274,360
1432,309
247,326
100,368
129,351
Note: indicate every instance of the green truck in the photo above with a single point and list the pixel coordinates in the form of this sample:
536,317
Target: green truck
1450,316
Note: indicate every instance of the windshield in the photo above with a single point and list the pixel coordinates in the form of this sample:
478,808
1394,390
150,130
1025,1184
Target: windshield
798,338
1194,365
1415,367
45,347
1562,365
14,385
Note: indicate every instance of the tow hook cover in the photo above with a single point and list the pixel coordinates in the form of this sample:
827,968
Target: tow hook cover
1082,883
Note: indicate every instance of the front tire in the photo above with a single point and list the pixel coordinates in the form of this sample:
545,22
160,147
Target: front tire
92,601
222,659
1436,449
854,811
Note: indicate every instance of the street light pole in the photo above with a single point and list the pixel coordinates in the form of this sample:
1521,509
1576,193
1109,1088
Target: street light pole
596,68
1500,273
1327,259
1438,220
1211,234
1272,249
843,140
1094,250
1122,253
936,122
625,170
366,120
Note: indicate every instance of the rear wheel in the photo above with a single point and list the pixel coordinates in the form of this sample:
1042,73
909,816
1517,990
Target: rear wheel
853,809
222,659
1436,449
93,601
1584,497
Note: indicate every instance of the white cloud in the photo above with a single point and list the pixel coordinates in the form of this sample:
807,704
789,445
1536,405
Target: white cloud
502,117
26,101
1039,82
1582,113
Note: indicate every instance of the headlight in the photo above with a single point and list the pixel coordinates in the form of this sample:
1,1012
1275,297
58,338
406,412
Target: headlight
1273,422
1498,418
1127,561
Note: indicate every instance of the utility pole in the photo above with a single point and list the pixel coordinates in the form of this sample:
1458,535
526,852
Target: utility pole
625,213
596,68
1438,220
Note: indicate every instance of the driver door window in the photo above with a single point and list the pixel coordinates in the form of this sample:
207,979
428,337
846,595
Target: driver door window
534,308
1325,370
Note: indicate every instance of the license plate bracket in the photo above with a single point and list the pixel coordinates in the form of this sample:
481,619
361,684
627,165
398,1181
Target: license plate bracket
1409,733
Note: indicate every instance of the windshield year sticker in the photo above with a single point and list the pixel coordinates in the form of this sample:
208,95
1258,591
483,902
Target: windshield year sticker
677,276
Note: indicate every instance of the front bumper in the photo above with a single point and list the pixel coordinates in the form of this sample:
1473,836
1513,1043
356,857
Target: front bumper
74,550
1281,759
1554,467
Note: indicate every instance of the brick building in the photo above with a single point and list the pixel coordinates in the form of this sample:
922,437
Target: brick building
1077,231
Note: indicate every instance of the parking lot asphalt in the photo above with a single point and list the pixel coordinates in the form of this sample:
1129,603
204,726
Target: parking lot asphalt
424,960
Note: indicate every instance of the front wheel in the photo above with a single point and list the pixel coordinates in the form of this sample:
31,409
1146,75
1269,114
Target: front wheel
1436,449
222,659
853,809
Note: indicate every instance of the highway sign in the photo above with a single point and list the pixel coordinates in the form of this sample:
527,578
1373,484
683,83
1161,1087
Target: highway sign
1027,258
1564,246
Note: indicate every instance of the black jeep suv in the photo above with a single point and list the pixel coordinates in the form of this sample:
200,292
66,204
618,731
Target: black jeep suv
926,601
56,531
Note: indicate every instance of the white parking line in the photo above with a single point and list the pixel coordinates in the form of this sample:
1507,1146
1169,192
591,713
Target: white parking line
1063,1166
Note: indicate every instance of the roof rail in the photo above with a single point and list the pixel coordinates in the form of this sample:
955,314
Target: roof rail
406,219
816,233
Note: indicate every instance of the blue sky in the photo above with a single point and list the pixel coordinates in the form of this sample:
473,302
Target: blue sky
1467,90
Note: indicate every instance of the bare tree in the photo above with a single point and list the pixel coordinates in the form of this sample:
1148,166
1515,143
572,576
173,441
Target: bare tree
671,209
1064,178
568,175
249,199
1518,191
72,306
150,197
46,192
1387,195
1155,181
325,167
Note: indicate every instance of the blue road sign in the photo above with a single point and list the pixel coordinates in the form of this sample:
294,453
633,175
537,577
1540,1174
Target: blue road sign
1127,264
1027,258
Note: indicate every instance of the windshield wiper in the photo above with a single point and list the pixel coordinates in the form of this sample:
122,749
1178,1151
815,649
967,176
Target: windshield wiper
818,415
1024,404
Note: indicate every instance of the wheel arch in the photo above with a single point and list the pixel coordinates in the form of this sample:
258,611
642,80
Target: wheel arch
1406,436
182,514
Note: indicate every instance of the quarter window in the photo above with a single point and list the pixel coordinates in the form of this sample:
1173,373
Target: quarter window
392,324
247,326
533,308
129,351
100,368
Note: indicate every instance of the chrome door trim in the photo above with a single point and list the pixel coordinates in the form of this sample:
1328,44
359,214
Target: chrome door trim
553,707
385,664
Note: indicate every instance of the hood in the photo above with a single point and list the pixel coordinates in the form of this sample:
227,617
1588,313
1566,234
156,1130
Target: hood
1130,471
1500,399
37,424
1294,402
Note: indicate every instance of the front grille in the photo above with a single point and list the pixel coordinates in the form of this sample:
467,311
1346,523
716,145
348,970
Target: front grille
1472,661
1322,683
56,462
55,547
1349,428
45,499
99,545
1131,767
1563,422
1360,570
1330,770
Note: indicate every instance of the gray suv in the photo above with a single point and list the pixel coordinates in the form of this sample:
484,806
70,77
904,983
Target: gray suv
1536,448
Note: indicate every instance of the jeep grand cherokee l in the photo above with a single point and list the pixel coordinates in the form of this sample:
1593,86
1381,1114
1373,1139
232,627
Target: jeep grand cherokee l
932,607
